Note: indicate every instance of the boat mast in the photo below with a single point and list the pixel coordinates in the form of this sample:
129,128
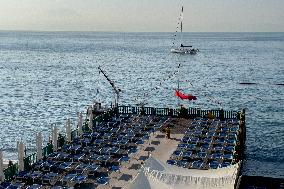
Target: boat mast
178,84
181,18
116,90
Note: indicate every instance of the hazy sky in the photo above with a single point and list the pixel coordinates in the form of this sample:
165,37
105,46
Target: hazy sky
142,15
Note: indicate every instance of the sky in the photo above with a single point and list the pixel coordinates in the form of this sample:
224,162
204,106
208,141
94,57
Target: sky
142,15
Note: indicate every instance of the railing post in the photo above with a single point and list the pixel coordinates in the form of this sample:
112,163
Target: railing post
133,110
171,112
143,111
221,114
154,111
198,112
183,112
189,112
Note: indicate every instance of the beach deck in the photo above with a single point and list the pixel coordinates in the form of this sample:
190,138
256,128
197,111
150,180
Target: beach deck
121,144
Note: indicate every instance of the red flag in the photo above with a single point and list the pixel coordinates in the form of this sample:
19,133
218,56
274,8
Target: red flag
184,96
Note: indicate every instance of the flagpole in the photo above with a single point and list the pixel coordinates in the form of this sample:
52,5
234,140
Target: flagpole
178,86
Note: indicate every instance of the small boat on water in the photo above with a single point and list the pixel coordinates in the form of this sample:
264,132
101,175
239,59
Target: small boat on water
182,49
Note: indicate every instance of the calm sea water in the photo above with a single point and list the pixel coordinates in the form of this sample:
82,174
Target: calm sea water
47,77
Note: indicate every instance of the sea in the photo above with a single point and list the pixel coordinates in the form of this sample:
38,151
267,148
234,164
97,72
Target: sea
47,77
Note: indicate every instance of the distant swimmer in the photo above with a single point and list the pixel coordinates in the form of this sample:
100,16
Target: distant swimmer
247,83
250,83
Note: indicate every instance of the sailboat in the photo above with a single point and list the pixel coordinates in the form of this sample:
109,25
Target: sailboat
182,49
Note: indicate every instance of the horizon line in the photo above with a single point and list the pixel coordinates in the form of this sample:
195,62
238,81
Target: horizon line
1,30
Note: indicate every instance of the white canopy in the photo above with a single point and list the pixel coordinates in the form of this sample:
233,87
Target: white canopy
142,182
161,176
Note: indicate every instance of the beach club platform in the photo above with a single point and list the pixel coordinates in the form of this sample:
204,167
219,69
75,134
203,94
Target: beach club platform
127,147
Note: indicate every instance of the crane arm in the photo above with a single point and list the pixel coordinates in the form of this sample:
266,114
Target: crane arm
116,90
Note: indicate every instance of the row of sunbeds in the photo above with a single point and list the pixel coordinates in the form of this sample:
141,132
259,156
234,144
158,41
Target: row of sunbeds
207,144
90,158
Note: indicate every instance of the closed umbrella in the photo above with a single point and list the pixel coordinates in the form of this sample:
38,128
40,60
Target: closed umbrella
2,176
68,130
91,121
89,110
21,155
80,123
39,146
54,138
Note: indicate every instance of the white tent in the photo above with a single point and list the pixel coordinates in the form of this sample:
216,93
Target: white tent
21,155
39,146
68,130
142,182
80,123
161,175
55,138
2,176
